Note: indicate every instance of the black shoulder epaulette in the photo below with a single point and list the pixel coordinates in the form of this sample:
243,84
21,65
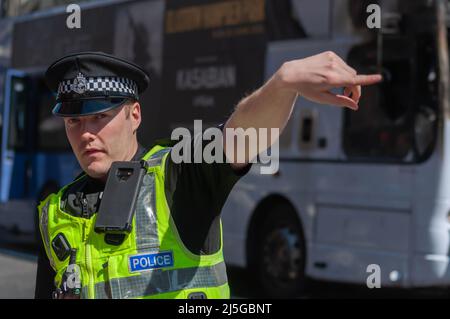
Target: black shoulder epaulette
166,142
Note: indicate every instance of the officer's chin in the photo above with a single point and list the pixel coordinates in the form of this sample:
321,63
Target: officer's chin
97,170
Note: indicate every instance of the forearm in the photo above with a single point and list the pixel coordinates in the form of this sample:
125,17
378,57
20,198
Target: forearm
269,107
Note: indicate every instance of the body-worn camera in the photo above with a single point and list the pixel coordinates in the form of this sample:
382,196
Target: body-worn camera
116,211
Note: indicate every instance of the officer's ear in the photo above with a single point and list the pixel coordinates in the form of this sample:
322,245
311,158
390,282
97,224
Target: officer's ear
135,114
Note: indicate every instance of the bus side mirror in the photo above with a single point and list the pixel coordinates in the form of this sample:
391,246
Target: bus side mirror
424,129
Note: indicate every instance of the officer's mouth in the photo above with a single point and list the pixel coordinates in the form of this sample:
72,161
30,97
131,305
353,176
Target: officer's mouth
92,152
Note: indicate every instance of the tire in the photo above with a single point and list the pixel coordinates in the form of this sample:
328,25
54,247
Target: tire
281,254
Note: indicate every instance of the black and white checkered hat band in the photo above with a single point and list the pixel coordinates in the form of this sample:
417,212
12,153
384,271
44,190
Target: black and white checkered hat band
98,85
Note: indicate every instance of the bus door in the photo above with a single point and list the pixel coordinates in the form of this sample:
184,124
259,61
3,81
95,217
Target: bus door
15,165
36,156
53,163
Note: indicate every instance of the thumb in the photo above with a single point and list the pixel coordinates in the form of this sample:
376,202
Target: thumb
338,100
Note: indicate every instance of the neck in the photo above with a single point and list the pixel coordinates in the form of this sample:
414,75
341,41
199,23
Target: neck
133,150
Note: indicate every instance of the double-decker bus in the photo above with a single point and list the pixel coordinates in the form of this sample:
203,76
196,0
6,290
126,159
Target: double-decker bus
354,189
359,197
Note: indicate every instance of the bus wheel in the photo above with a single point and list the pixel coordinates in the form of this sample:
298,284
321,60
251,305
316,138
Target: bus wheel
281,254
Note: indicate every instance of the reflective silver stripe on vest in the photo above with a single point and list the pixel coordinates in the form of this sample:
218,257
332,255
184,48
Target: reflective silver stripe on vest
156,159
43,225
162,281
146,223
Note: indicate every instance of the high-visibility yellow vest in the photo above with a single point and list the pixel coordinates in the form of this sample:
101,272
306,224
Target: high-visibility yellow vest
151,262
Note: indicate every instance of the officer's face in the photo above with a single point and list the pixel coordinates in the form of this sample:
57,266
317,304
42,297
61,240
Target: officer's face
100,139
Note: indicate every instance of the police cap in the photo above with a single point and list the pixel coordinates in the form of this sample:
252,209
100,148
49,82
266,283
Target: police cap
87,83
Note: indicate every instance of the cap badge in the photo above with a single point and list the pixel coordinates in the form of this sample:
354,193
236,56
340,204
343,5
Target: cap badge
79,84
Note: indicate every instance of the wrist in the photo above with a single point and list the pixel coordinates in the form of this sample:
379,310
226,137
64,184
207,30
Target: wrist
282,80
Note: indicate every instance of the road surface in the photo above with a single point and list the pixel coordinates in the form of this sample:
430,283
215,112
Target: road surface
18,271
17,275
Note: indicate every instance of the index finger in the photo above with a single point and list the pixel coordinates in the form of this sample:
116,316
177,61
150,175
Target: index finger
367,79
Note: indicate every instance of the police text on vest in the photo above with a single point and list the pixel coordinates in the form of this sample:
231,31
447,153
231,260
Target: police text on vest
145,262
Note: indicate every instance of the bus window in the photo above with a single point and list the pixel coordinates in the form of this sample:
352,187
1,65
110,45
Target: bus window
382,127
397,118
51,135
2,100
17,115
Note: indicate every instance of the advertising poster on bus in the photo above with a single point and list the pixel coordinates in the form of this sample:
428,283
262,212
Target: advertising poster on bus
213,55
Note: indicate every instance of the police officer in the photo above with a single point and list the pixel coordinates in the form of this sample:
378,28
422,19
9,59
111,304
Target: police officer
174,247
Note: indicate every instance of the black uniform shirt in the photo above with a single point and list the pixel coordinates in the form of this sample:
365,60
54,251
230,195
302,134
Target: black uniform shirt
195,194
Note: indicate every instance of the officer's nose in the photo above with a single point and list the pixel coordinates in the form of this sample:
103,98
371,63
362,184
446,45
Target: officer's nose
87,136
90,126
89,131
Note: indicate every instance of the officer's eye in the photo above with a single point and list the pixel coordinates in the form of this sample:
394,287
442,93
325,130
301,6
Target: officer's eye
73,121
100,116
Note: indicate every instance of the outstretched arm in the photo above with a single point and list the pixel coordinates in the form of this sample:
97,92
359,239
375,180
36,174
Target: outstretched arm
271,105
